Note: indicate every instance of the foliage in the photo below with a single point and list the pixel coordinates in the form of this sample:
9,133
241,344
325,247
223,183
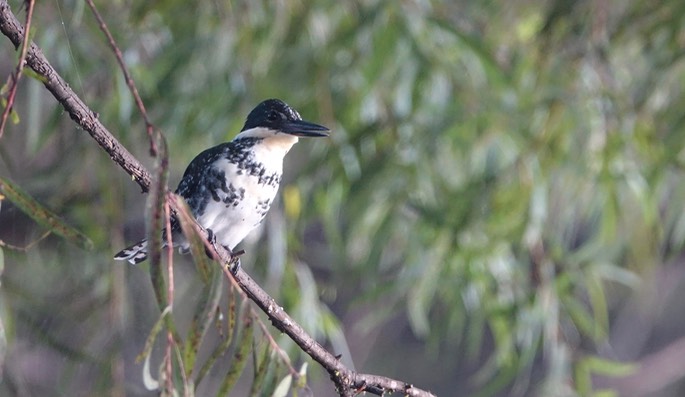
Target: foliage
499,176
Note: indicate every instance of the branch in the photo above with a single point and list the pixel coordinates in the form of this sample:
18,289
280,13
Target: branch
78,111
149,127
20,67
347,381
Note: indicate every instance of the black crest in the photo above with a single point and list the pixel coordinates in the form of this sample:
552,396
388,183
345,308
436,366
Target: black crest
271,113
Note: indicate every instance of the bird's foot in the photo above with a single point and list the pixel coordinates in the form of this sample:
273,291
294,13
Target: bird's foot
235,260
211,238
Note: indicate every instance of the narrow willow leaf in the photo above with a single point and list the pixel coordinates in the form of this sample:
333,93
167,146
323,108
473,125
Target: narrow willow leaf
606,367
604,393
582,377
42,215
261,367
14,116
422,295
599,306
302,376
153,334
283,387
272,377
3,334
32,74
580,316
155,206
593,365
196,241
239,357
202,320
150,382
225,344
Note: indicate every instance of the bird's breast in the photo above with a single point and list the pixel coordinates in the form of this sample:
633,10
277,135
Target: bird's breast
241,196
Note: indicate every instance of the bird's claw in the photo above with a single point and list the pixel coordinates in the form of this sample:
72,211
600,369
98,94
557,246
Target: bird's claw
235,261
211,238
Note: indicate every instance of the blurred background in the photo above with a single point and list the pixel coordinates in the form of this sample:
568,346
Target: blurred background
498,210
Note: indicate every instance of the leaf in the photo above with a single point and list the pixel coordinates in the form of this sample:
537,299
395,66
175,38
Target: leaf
602,366
239,357
156,217
42,215
292,201
203,318
302,376
593,365
283,387
149,342
32,74
195,240
14,116
261,368
149,382
422,295
225,344
156,222
3,334
599,306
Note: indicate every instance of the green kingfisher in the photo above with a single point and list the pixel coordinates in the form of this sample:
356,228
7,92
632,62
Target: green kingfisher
230,187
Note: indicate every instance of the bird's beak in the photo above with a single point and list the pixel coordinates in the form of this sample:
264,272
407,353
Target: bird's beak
304,128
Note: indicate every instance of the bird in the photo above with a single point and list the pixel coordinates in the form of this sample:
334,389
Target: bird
230,187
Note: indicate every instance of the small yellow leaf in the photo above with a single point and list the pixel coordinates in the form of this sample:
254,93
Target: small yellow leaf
292,201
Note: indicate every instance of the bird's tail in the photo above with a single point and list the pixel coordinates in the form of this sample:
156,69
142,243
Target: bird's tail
134,254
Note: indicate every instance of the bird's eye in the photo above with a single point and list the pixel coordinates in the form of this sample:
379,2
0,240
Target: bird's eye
273,116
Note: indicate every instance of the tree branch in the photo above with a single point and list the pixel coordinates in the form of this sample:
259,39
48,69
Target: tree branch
347,381
78,111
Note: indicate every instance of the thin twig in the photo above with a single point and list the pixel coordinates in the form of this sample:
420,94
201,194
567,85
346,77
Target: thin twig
26,247
274,345
77,109
17,74
149,127
347,381
170,292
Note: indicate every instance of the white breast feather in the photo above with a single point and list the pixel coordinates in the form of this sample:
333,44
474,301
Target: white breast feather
230,223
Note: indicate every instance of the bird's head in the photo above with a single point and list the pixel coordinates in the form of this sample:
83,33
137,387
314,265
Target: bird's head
273,117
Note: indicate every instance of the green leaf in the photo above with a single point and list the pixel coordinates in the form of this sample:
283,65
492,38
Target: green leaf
602,366
195,240
261,367
599,306
3,334
156,328
225,343
593,365
240,356
156,215
302,376
202,319
14,116
32,74
42,215
148,380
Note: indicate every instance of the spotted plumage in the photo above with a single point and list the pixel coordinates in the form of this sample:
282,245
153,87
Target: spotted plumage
230,187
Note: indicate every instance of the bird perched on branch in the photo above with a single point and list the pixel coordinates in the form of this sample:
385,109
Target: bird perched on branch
230,187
